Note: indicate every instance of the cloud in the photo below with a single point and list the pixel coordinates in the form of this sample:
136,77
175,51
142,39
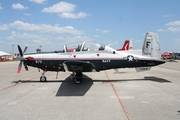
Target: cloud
173,23
0,7
171,29
160,30
168,15
65,10
4,27
96,36
103,31
173,26
44,28
32,40
49,42
60,8
98,30
177,40
27,37
78,38
72,15
19,6
27,14
38,1
174,29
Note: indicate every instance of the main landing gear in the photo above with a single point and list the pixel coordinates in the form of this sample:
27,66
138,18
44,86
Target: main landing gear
43,78
77,77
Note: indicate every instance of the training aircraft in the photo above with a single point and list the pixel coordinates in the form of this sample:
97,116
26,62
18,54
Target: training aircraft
127,45
91,57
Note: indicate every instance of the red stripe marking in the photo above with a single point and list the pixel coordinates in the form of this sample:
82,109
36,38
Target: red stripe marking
120,101
16,84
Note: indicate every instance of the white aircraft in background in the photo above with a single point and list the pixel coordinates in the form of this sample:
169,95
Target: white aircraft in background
127,46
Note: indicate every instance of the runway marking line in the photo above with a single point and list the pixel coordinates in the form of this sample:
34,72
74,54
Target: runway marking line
16,84
120,101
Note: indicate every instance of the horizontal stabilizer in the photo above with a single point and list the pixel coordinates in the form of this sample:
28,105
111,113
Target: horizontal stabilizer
141,69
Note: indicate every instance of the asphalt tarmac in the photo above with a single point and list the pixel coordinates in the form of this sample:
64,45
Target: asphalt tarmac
105,95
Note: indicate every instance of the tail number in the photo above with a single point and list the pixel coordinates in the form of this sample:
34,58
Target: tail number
147,53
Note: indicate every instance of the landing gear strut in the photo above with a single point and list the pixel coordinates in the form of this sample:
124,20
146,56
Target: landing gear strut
43,78
78,78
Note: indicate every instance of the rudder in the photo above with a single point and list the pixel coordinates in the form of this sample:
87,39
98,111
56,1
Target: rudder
151,45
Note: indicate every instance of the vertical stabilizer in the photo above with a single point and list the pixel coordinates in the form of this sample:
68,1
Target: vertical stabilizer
130,45
151,45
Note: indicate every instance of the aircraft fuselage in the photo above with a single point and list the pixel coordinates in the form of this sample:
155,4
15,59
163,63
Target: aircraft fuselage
100,61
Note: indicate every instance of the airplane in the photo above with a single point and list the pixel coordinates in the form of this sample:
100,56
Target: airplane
127,45
91,57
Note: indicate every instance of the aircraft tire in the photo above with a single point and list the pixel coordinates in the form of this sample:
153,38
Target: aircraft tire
78,78
43,78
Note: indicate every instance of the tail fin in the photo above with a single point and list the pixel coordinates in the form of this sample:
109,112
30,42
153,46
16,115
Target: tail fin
151,45
127,45
150,48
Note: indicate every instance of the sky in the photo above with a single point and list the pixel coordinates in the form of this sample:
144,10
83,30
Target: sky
54,23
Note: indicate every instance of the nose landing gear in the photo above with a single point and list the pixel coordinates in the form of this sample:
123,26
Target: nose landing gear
43,78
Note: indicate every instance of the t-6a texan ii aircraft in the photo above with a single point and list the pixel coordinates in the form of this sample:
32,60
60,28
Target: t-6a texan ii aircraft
86,57
127,45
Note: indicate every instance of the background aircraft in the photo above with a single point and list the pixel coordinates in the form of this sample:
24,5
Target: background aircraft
92,58
127,45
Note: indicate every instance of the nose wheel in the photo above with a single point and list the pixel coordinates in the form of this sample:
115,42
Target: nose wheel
43,78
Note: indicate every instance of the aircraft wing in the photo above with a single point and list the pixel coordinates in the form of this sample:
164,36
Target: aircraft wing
78,66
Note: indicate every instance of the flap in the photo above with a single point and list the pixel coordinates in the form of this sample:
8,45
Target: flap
78,66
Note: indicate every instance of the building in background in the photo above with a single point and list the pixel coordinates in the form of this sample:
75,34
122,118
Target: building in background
4,56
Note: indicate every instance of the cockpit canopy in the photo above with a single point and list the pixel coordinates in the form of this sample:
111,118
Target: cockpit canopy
80,47
83,47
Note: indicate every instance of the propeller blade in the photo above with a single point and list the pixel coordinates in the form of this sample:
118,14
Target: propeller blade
19,67
25,49
22,59
20,51
25,66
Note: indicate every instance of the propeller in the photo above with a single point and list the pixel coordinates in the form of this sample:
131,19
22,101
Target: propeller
21,58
